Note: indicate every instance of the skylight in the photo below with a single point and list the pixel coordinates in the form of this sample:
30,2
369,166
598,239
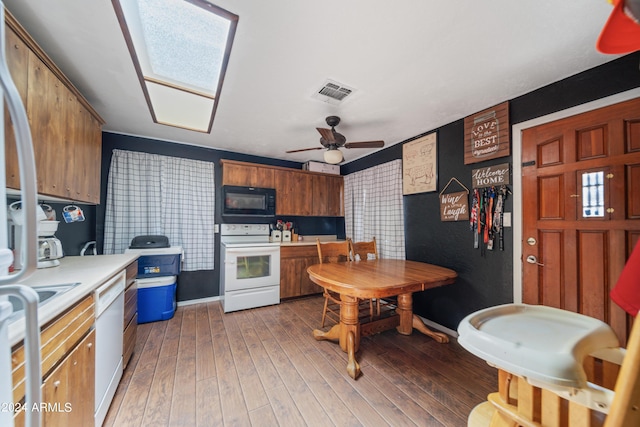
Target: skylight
180,49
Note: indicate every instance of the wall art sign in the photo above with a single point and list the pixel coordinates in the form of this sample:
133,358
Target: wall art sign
454,206
490,176
420,165
487,134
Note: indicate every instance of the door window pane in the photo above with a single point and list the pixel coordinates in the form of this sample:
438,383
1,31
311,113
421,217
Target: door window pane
593,194
251,267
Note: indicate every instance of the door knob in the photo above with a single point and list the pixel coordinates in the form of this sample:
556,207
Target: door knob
531,259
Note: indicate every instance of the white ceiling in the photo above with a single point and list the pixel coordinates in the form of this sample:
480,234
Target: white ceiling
415,64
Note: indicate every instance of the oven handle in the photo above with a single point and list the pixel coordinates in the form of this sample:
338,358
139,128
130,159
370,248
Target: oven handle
257,251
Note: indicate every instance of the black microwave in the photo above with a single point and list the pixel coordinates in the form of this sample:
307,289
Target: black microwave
248,201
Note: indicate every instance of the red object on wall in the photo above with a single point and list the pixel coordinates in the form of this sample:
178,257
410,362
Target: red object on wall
626,293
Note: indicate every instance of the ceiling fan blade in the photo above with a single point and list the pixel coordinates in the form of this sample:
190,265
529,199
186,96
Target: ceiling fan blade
305,149
327,134
364,144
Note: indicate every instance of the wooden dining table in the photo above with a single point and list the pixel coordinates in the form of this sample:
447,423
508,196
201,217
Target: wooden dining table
377,279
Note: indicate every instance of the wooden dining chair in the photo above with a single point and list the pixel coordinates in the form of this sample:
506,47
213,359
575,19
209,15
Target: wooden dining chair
362,251
332,252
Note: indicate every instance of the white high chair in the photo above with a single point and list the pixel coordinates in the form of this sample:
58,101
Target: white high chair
541,353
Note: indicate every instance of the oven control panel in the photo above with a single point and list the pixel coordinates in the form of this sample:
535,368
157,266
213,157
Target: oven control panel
244,229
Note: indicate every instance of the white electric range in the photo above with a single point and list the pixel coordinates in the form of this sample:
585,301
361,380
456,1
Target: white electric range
250,275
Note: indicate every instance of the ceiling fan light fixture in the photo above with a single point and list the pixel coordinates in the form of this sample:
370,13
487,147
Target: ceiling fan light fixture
333,157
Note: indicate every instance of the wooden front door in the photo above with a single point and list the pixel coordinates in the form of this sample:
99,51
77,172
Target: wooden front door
581,210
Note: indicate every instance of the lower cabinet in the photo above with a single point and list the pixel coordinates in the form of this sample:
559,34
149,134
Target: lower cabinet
68,368
294,261
130,313
69,390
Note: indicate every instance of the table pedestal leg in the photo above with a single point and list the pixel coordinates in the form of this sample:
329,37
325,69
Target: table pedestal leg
347,333
350,332
409,321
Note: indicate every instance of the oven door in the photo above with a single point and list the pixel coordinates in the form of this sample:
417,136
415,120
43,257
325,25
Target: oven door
247,267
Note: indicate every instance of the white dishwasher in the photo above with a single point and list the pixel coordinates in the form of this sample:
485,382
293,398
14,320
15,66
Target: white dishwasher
109,301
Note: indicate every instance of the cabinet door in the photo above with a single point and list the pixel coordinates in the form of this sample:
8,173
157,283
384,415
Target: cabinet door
289,277
82,382
45,107
83,178
307,287
69,390
328,195
321,189
294,193
247,175
18,63
336,196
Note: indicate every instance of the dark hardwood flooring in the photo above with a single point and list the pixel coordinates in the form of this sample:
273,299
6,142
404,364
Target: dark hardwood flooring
262,367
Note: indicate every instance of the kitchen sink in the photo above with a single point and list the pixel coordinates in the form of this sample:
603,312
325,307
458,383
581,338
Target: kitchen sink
45,293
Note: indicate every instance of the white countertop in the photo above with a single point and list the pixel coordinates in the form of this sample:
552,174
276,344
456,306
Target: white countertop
90,271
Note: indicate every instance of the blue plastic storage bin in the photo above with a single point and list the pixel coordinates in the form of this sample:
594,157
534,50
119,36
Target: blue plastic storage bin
158,261
156,299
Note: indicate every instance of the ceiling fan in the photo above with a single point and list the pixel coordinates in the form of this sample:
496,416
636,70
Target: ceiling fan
332,141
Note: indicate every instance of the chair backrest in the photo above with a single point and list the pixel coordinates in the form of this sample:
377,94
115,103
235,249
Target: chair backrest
624,407
364,249
333,251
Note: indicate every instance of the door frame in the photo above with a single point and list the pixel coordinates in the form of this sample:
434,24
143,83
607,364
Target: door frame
516,132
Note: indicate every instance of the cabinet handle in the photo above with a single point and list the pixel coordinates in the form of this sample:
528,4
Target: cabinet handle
56,384
90,345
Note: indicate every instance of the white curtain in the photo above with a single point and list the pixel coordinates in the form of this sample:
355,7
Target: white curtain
374,208
149,194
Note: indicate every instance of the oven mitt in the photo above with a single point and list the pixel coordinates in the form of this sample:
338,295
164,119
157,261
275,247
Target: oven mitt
626,293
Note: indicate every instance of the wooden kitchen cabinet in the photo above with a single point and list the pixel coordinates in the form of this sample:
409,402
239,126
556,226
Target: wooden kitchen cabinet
247,175
68,366
298,192
18,62
294,280
66,130
328,195
130,313
69,390
294,193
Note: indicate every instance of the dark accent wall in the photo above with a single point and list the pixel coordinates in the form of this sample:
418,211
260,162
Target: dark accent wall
201,284
487,280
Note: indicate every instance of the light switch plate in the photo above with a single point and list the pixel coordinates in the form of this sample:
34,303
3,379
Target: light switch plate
506,219
216,228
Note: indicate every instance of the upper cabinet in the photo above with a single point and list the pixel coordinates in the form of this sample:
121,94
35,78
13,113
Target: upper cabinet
66,130
247,175
298,192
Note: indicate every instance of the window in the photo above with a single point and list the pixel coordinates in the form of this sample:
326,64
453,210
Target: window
373,207
180,50
593,194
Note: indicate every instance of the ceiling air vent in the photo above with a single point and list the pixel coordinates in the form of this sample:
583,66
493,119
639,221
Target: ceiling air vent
333,92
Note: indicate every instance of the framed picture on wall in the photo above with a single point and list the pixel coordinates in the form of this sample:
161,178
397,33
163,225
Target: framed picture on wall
487,134
420,165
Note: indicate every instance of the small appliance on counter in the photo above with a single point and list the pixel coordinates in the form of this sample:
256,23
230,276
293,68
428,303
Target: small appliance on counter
49,251
49,246
158,268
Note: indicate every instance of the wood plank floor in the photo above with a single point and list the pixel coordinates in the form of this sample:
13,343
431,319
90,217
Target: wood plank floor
262,367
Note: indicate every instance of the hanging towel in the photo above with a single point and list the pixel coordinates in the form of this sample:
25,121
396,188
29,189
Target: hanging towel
626,293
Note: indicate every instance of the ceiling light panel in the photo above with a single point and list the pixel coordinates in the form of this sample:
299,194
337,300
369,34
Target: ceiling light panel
179,48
